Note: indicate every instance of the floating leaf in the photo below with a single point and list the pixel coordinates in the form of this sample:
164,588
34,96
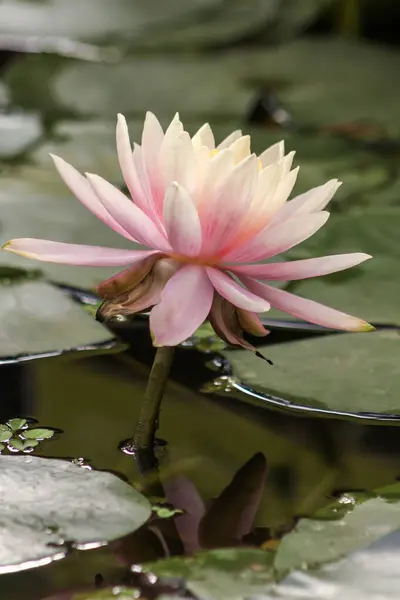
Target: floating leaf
39,319
351,373
16,444
368,574
315,542
16,424
5,433
38,434
66,502
18,131
234,573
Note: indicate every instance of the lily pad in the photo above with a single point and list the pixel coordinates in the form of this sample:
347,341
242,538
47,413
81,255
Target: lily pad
234,573
201,86
38,319
318,95
18,131
46,503
316,541
93,20
346,373
368,574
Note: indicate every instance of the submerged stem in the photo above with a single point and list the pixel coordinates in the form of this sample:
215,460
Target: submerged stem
147,424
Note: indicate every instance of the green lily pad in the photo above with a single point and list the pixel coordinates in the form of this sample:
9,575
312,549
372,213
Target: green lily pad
38,434
234,573
46,502
16,444
18,131
201,86
350,373
39,319
317,95
97,20
5,433
368,574
16,423
315,541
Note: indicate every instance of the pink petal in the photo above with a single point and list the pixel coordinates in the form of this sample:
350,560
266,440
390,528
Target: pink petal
230,139
204,137
272,154
306,309
302,269
182,221
185,303
75,254
310,202
128,170
81,189
127,214
232,291
274,240
222,215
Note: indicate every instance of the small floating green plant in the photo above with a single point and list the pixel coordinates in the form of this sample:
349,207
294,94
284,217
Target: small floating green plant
22,435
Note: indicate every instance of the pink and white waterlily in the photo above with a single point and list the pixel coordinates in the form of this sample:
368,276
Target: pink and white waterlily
205,215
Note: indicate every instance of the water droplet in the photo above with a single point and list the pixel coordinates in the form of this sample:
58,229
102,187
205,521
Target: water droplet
224,384
81,462
137,569
151,578
127,447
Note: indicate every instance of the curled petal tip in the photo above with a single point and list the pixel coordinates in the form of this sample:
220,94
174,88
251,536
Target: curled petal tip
364,327
7,245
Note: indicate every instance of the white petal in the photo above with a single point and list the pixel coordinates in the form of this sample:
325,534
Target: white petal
311,201
152,138
182,222
241,148
204,137
228,141
272,154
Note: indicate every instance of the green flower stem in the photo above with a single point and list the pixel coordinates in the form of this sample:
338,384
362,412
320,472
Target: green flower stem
147,424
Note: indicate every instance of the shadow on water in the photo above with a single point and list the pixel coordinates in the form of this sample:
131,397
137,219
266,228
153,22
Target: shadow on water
242,473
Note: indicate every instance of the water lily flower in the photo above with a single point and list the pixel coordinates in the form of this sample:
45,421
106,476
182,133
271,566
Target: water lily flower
206,216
